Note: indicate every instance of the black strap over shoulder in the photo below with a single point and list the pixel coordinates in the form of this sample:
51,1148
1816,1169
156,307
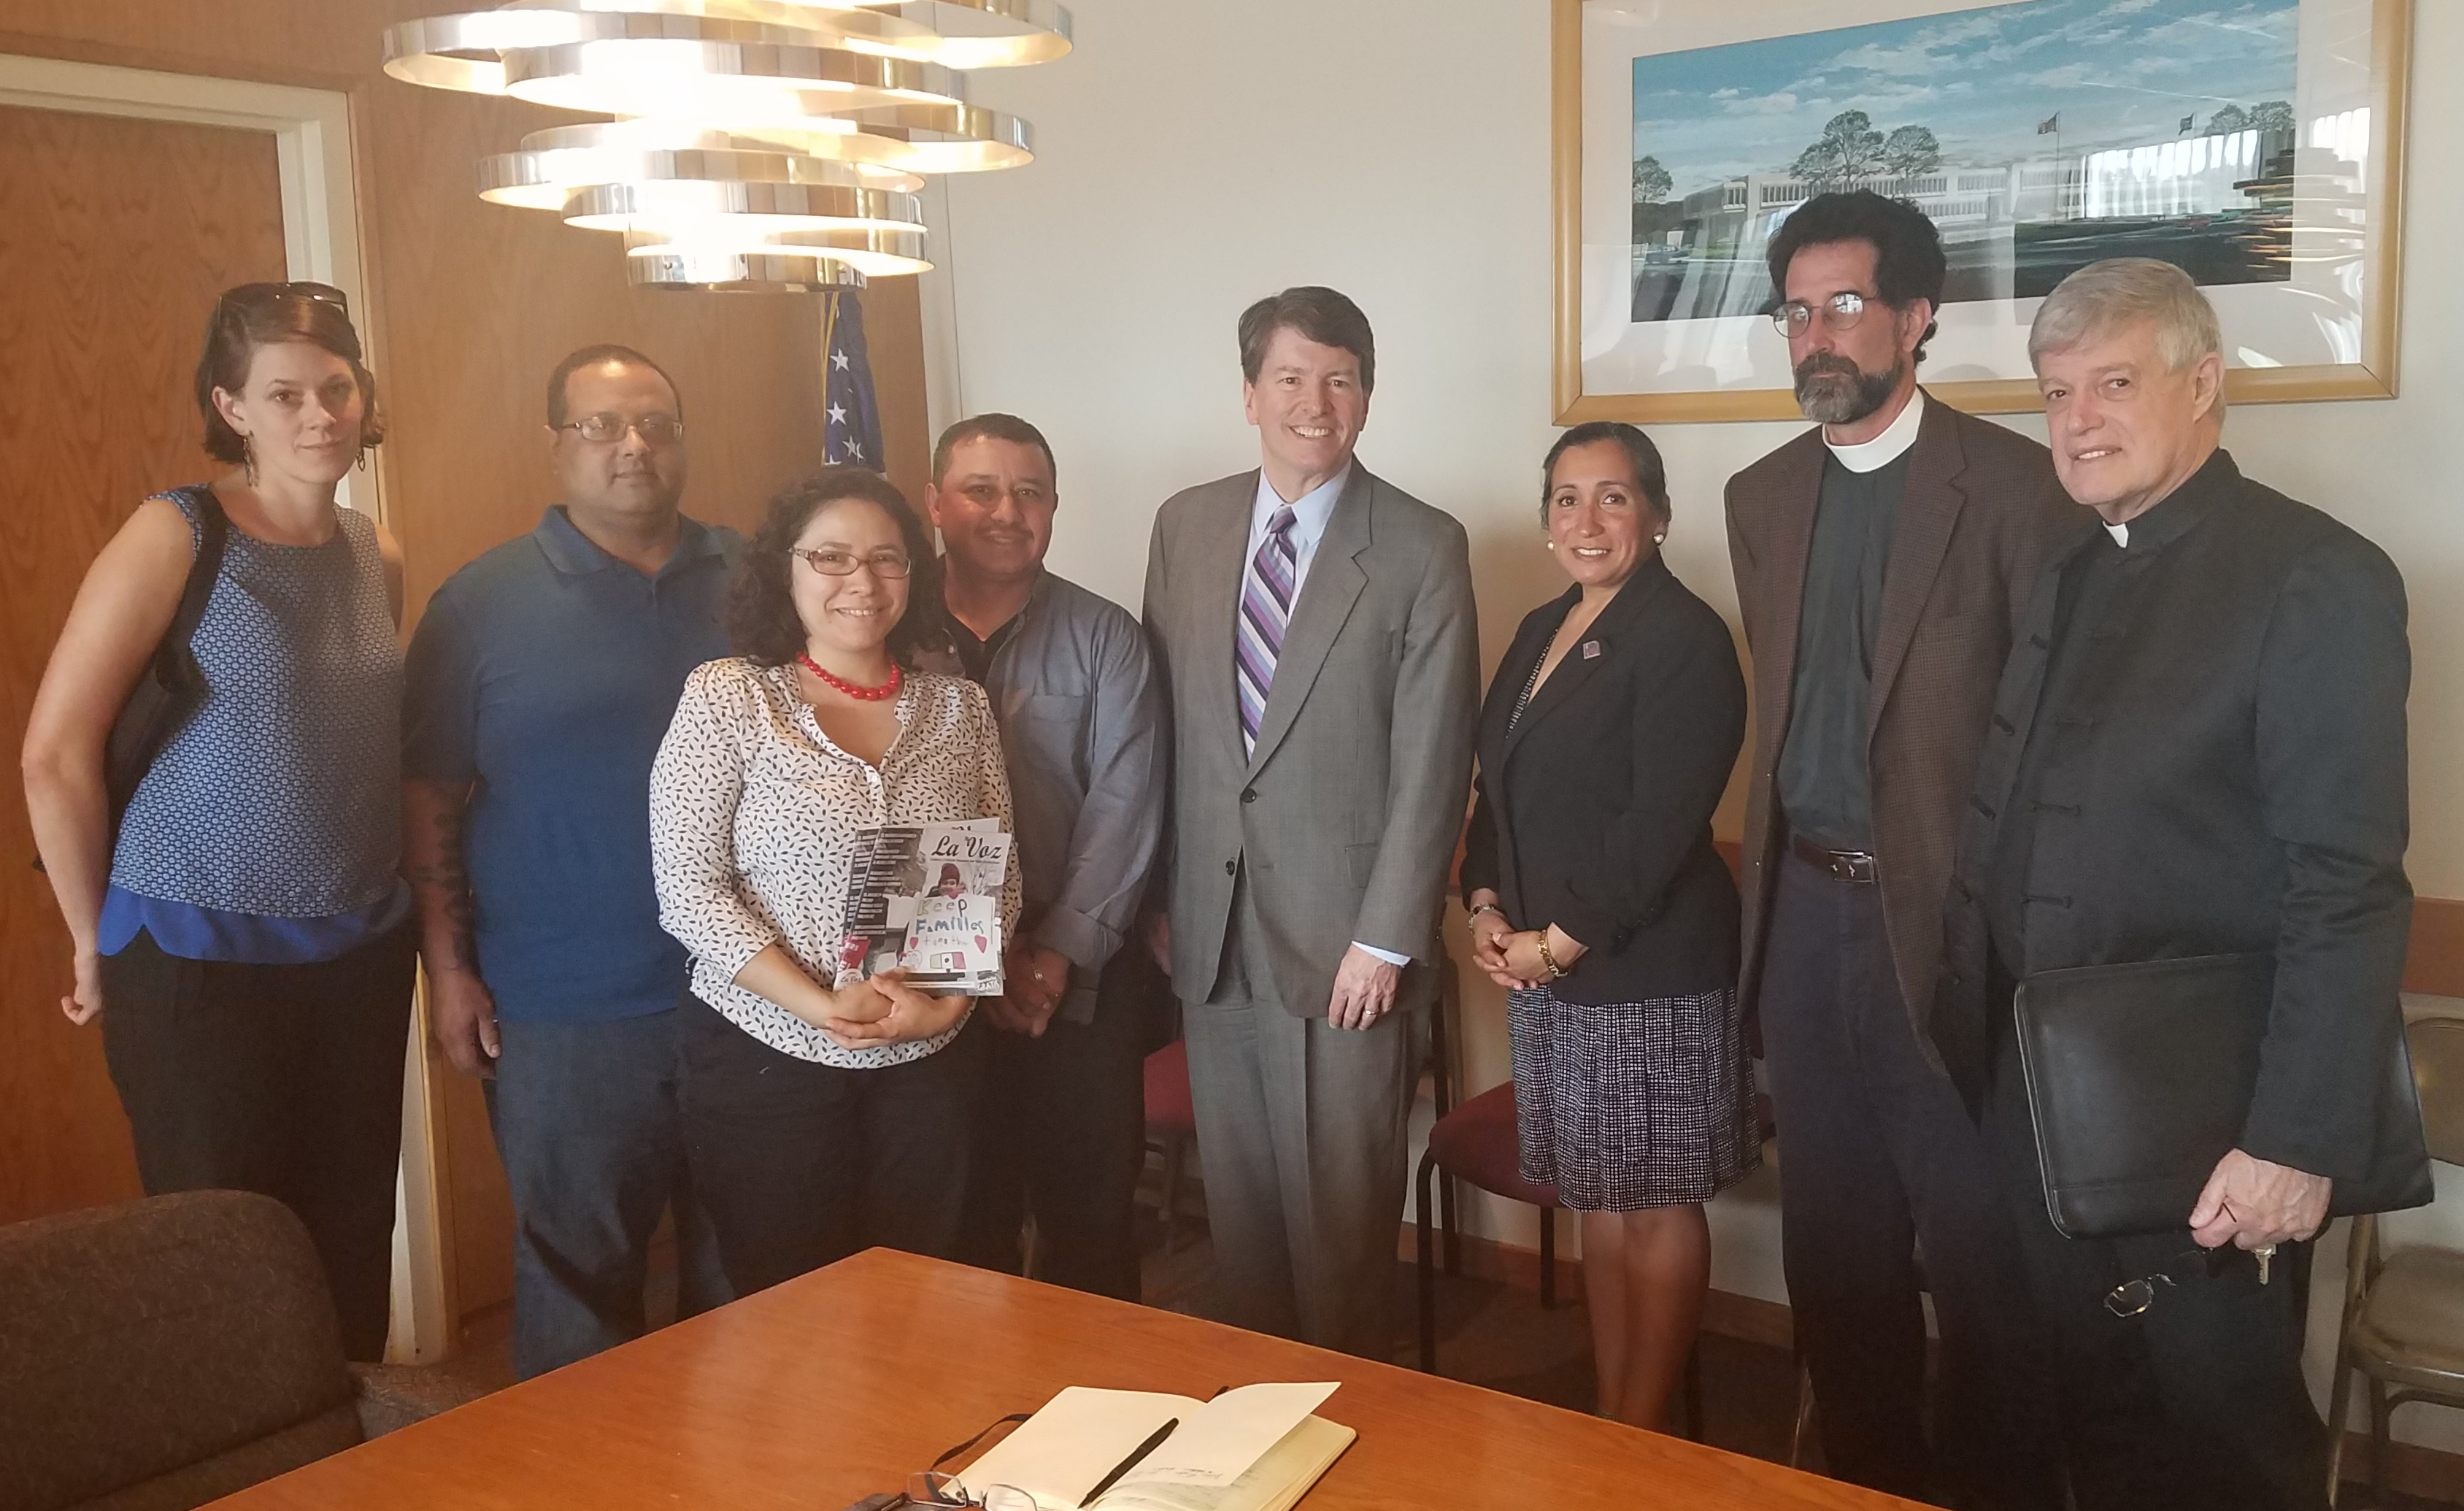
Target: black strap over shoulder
173,685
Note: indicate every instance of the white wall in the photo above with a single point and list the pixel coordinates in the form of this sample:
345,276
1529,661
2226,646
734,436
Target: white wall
1193,157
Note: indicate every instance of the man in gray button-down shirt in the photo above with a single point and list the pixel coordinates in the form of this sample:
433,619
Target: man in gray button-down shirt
1061,1125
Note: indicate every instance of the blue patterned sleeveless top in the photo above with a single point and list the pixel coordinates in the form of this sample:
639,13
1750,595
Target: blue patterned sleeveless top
268,828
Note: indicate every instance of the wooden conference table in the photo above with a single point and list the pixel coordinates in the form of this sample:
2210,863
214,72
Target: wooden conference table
817,1392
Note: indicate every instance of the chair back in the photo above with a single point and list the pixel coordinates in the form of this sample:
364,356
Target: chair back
164,1353
2437,1046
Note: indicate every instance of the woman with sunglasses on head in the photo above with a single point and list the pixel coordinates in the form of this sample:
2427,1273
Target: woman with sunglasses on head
240,926
819,1119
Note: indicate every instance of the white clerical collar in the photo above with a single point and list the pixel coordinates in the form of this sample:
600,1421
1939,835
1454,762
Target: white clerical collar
1891,445
2121,534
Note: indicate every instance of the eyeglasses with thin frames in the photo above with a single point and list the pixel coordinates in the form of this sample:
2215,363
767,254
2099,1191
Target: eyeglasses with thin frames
656,430
934,1490
831,563
2131,1298
1841,311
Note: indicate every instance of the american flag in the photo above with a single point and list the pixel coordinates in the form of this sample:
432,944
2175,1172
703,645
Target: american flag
854,433
2050,125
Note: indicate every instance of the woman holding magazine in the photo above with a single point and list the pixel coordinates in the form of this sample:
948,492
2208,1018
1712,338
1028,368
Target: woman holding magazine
820,1117
1597,900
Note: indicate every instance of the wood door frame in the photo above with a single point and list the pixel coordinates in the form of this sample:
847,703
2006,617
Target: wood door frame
321,239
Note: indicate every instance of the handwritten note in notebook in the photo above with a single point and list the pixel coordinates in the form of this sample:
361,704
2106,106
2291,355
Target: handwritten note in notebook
1253,1449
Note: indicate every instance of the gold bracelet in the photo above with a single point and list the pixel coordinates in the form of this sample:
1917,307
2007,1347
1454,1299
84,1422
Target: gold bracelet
1549,959
1473,917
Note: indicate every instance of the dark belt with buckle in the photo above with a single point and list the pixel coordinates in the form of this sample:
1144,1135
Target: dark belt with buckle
1855,866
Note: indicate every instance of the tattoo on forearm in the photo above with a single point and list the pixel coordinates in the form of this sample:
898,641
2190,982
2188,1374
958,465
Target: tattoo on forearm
443,889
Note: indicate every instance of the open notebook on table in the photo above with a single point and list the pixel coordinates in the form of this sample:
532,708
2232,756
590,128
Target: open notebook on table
1253,1449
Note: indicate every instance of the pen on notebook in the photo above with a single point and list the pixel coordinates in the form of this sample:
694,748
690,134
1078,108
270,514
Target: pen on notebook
1154,1441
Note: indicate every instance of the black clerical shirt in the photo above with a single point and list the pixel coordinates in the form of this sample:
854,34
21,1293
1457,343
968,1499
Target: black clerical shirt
1825,787
2082,601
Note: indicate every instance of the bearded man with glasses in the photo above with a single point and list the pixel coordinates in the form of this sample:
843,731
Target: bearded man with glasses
541,680
1882,563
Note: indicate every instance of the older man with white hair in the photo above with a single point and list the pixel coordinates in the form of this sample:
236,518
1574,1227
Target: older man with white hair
2198,751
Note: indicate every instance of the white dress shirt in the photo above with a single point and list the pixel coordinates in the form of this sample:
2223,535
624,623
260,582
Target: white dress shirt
1310,513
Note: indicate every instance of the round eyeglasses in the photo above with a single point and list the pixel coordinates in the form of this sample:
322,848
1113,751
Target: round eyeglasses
831,562
1840,312
656,430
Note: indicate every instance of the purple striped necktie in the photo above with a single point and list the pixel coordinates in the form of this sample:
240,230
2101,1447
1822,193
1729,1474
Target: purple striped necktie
1265,611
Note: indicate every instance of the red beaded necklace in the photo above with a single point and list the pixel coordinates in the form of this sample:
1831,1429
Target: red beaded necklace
869,695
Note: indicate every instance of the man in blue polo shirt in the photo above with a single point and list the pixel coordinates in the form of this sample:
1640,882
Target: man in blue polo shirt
542,680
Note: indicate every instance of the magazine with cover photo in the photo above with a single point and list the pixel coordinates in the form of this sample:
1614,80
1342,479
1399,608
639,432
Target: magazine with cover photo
927,898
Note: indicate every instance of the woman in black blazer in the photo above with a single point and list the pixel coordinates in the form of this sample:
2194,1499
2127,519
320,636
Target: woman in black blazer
1597,901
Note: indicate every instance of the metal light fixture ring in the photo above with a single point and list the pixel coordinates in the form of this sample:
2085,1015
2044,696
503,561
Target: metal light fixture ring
656,205
862,29
948,139
702,272
465,50
991,33
876,253
553,162
746,78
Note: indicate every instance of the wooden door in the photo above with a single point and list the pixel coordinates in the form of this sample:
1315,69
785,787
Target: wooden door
116,237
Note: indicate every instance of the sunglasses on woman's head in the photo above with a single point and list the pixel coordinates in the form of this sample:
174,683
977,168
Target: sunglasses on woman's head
250,294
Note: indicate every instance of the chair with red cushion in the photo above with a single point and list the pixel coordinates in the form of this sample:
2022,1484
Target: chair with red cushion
1473,1141
1172,1123
1477,1142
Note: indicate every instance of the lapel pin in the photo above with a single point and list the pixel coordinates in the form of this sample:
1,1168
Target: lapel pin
1591,650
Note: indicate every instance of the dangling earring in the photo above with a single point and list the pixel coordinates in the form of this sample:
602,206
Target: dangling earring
363,462
247,458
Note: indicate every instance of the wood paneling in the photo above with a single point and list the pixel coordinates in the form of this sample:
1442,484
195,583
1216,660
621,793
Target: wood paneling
117,235
839,1383
893,326
2435,964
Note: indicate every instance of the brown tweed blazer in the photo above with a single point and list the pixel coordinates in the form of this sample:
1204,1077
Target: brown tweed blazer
1983,513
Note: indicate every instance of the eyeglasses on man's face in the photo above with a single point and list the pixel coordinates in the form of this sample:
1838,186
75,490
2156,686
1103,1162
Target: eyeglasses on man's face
831,562
656,430
1840,312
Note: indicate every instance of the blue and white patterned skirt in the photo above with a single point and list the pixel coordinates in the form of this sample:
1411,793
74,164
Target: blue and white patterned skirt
1626,1105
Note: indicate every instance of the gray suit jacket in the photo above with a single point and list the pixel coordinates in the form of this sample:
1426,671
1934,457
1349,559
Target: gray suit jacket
1345,817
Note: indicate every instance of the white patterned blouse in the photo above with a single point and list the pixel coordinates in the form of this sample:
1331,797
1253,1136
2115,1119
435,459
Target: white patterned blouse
753,817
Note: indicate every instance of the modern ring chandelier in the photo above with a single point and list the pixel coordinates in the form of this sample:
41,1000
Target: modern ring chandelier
752,144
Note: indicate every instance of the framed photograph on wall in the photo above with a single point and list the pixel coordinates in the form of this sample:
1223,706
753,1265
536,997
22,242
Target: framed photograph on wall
2256,144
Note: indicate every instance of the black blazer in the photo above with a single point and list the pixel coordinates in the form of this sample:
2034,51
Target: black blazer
2228,776
1594,815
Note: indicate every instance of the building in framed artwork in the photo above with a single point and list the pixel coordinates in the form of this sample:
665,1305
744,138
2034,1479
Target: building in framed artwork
2256,144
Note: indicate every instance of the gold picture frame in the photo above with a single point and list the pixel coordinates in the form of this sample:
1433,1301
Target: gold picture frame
2366,364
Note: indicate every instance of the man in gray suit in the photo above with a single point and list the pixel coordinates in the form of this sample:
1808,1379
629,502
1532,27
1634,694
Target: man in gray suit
1314,627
